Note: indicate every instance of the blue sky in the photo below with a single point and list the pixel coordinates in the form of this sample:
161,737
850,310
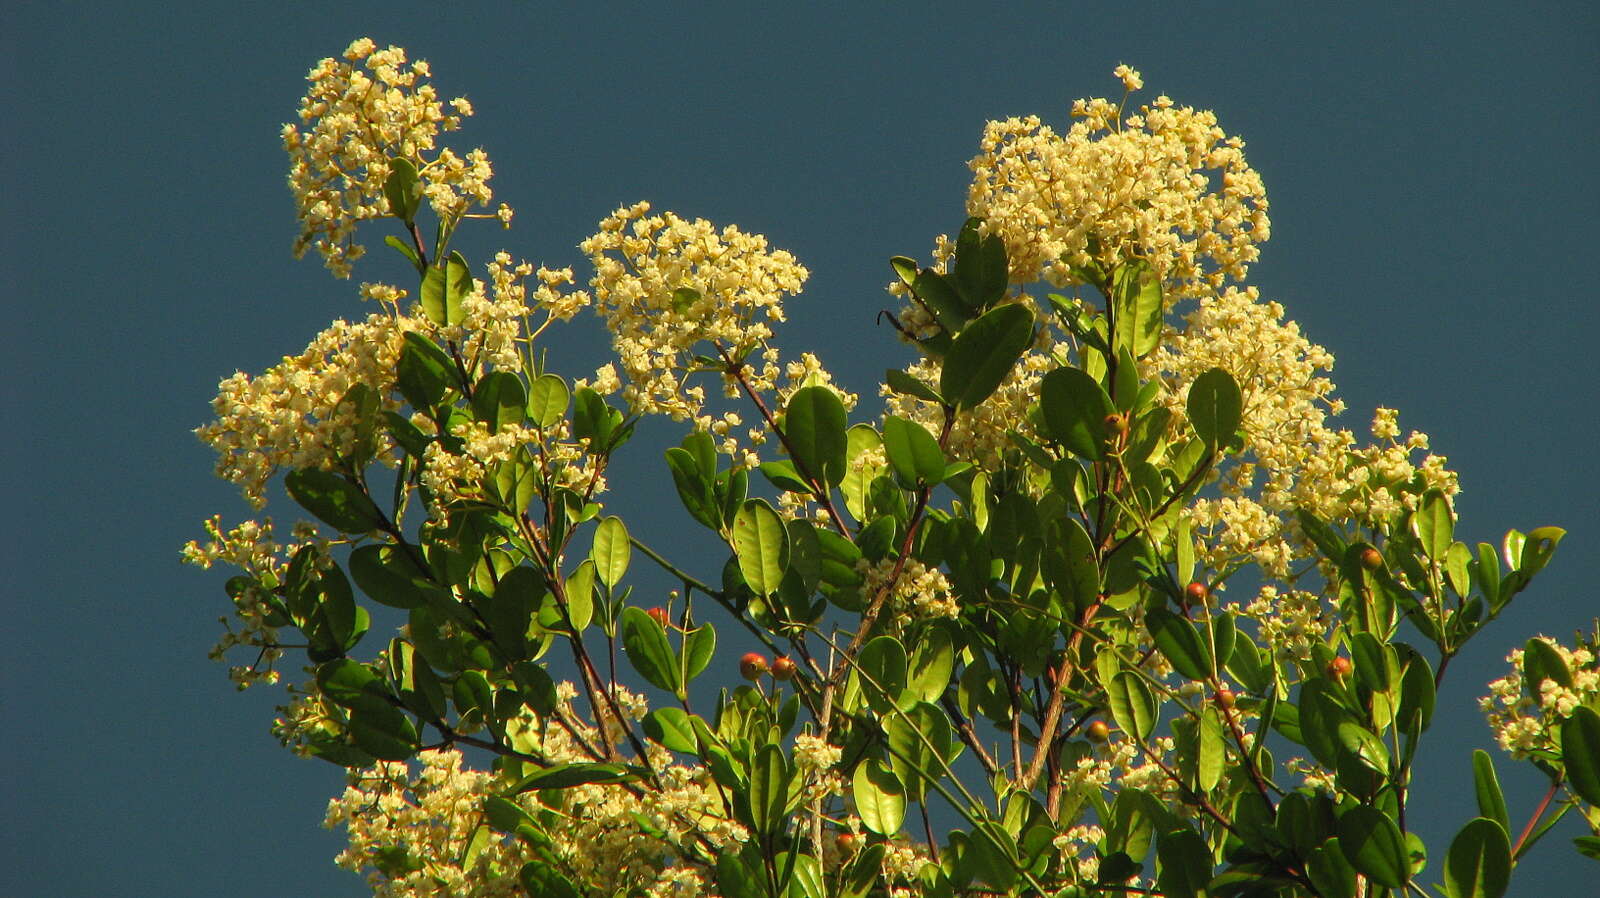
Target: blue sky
1432,175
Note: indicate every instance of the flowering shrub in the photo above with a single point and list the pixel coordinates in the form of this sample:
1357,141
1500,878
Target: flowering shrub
1105,584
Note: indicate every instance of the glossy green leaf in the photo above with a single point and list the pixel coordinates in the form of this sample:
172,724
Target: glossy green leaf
1213,751
814,430
993,855
882,666
921,743
1540,544
385,573
699,645
769,789
913,453
695,489
1180,642
499,400
1215,407
879,796
385,733
334,500
565,776
1185,864
1540,662
1434,525
762,545
548,399
907,385
353,685
1075,408
1491,801
984,353
443,289
1374,846
611,551
931,665
1478,864
1133,706
402,189
939,294
981,269
424,372
580,596
645,643
1136,307
670,727
1580,750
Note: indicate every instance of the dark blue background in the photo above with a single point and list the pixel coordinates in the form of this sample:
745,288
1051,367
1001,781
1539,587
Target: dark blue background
1432,178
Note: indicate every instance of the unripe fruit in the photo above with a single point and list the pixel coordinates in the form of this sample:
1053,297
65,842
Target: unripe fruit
848,842
1196,593
1371,559
1097,731
659,614
1116,422
752,666
783,668
1339,668
1225,698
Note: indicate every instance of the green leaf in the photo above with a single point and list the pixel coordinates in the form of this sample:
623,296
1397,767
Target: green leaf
1136,307
1537,548
1541,662
387,575
880,798
1580,750
1075,409
913,453
1180,642
939,294
424,372
769,789
353,685
670,727
1478,864
1588,846
993,854
402,189
334,500
814,429
548,399
1491,801
565,776
443,288
762,546
906,385
499,400
931,665
921,743
404,250
385,733
882,665
983,354
981,269
1185,864
695,489
699,645
611,551
1433,525
1374,846
1215,407
648,650
580,596
1133,706
1213,750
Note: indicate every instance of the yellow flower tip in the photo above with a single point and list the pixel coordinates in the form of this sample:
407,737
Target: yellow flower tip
1131,81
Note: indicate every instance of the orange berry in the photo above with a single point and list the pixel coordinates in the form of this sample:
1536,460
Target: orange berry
660,616
752,666
1196,593
783,668
1225,697
1339,668
1371,559
1097,731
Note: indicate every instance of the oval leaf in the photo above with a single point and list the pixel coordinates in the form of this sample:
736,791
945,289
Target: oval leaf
1580,749
1479,862
1373,845
1215,407
762,546
1180,642
648,650
983,354
814,430
610,552
1075,408
334,500
880,799
913,453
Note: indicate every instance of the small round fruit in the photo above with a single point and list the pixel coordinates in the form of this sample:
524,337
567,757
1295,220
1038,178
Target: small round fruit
1097,731
848,842
752,666
1225,697
1339,668
1116,423
1371,559
659,614
1196,593
783,668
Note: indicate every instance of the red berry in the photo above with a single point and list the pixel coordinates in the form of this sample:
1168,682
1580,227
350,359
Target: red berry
783,668
1371,559
848,841
1196,593
1339,668
752,666
1097,731
660,616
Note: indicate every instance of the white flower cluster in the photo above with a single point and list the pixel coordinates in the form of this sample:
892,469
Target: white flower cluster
358,114
670,288
1166,185
290,416
920,592
1524,723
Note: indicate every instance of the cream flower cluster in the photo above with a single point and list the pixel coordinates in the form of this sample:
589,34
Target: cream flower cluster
981,435
291,415
1166,185
920,593
358,114
1524,723
454,476
670,288
1289,622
